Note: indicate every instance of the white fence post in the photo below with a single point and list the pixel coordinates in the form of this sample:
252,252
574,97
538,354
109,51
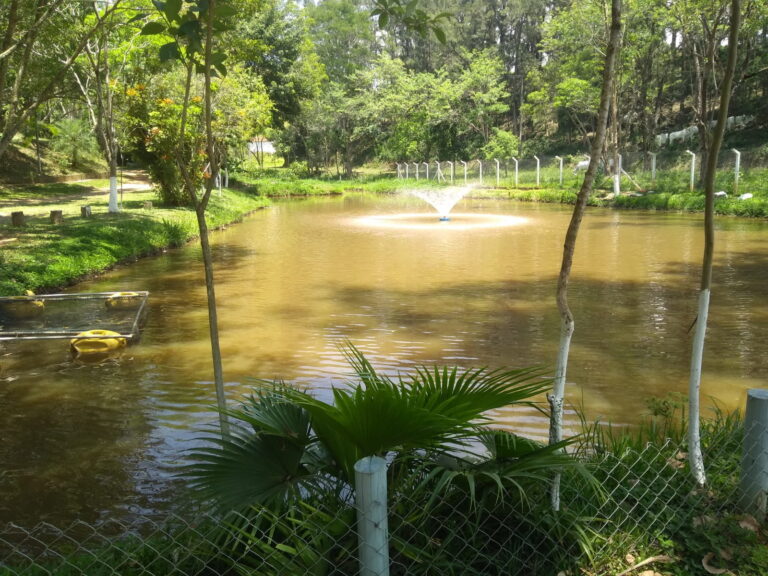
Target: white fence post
465,171
653,167
515,161
417,169
693,167
480,163
754,461
497,171
736,172
561,168
538,170
426,166
372,526
451,164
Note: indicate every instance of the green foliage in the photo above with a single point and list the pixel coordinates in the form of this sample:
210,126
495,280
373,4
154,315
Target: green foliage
74,139
293,455
154,128
502,144
411,15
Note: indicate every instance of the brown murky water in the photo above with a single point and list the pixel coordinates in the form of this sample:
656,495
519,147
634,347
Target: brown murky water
296,280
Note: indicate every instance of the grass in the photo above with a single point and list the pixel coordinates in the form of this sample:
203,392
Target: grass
42,256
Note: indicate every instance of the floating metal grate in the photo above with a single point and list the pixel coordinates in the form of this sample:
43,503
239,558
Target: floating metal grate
61,316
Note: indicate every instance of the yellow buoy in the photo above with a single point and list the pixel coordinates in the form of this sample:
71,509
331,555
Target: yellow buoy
96,342
122,299
25,306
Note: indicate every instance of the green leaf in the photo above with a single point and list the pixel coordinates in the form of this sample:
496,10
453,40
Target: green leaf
137,18
225,11
383,20
172,9
169,51
159,5
151,28
190,29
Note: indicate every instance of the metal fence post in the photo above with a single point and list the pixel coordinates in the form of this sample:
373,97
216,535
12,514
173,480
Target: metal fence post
372,527
754,462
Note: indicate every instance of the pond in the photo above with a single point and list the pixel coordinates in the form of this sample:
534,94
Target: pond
295,281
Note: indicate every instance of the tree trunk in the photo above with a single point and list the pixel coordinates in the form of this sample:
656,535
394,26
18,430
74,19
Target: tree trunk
207,257
695,456
566,318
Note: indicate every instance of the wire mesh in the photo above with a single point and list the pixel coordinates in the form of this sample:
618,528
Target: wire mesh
644,507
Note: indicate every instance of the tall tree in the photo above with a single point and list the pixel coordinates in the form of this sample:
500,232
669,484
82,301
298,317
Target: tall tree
97,84
193,27
40,44
270,38
695,456
567,323
343,36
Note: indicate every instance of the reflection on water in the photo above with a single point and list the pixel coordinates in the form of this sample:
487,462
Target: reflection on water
297,280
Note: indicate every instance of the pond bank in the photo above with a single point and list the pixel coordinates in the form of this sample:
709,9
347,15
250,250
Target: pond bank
45,255
753,207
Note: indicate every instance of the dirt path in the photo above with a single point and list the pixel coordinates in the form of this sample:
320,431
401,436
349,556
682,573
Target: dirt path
132,181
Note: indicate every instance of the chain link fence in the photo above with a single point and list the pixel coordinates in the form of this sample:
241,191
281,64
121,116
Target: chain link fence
637,508
668,171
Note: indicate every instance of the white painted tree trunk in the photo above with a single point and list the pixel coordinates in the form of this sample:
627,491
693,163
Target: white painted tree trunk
113,207
557,398
695,457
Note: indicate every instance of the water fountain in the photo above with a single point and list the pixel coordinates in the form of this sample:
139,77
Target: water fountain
442,199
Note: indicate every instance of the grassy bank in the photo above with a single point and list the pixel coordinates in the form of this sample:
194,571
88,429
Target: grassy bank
42,256
756,207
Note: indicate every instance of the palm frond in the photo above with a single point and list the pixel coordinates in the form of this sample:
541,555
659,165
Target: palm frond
237,472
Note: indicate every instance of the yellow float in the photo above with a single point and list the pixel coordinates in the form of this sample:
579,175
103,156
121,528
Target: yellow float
25,306
96,343
122,300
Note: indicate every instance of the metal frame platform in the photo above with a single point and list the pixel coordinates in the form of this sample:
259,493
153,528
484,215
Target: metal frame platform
135,329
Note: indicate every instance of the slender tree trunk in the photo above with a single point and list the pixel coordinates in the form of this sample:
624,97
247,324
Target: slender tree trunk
566,318
207,256
200,205
695,456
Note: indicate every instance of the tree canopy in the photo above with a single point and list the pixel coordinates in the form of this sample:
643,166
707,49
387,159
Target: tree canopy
336,83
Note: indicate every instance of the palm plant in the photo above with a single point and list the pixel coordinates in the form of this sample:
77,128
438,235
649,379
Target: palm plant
290,452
